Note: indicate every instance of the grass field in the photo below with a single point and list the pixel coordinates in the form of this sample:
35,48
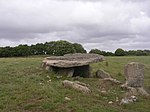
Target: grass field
25,87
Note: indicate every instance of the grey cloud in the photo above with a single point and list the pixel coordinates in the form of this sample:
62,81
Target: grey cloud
104,24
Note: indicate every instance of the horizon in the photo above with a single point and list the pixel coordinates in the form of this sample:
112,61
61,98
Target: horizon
82,45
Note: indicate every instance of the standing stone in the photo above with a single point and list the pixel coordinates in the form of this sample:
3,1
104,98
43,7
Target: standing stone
134,73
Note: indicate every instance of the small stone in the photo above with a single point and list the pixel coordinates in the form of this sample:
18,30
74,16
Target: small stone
124,101
134,98
130,99
41,83
67,99
58,77
110,102
103,91
49,80
48,76
117,99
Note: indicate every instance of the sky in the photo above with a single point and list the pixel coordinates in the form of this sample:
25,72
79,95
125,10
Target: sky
102,24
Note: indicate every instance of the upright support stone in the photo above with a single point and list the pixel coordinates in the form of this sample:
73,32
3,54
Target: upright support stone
134,73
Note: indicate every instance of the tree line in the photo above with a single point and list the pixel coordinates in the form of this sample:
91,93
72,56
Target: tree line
121,52
61,47
53,48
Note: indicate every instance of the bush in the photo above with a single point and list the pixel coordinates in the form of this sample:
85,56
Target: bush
120,52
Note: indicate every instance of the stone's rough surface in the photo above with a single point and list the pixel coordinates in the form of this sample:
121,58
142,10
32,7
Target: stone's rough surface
71,64
108,83
134,91
76,85
128,100
115,81
142,91
71,60
102,74
134,73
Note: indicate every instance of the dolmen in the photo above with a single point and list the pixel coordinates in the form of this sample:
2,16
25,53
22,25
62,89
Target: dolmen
72,65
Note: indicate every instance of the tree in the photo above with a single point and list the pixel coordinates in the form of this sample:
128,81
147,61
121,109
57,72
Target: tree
59,48
38,49
131,53
1,50
104,53
96,51
79,48
147,52
109,54
141,53
120,52
22,50
6,51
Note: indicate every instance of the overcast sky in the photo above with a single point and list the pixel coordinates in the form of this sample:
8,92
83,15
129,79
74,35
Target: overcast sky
103,24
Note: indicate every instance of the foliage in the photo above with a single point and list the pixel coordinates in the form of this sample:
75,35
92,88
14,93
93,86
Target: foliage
104,53
38,49
120,52
61,47
96,51
79,48
21,50
138,52
57,48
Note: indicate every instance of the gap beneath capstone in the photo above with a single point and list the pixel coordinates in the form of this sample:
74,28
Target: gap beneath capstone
82,71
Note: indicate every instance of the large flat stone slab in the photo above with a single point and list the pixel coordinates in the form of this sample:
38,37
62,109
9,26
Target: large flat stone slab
72,60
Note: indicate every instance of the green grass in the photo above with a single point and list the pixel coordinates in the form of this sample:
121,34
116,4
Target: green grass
24,86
